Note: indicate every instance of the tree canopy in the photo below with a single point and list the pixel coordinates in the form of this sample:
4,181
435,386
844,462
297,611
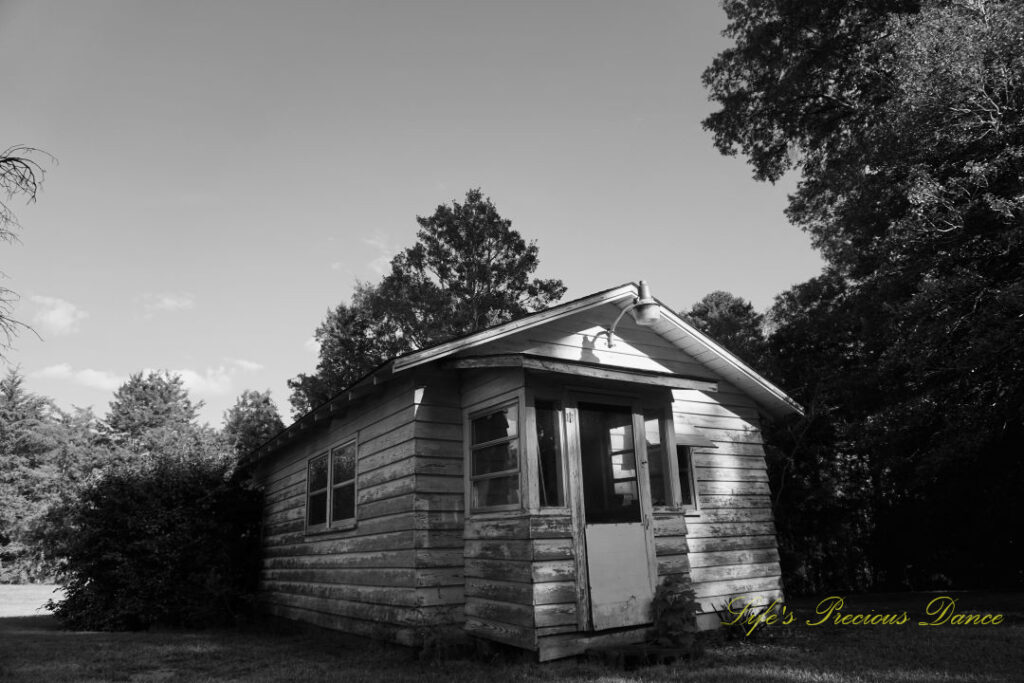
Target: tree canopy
468,270
150,401
251,421
732,322
905,121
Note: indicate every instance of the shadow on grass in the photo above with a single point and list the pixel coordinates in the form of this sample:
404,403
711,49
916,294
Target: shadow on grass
35,648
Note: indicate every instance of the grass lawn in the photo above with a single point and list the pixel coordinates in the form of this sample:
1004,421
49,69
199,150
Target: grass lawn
34,648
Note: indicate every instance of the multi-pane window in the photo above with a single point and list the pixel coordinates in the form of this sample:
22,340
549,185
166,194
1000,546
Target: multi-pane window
494,459
331,488
550,482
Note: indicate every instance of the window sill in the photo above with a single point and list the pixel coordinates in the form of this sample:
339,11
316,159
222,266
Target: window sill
338,530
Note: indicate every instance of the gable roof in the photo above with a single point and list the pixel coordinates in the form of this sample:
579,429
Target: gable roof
670,326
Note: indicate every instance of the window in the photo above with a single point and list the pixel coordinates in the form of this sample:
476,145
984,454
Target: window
685,475
550,476
659,450
494,459
343,483
661,493
316,504
331,487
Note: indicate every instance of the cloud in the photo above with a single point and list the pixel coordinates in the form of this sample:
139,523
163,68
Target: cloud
247,365
156,303
212,381
382,264
311,345
215,381
56,316
96,379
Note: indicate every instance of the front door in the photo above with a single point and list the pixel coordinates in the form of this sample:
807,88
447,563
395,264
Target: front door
621,584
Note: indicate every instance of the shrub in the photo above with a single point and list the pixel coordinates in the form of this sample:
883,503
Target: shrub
675,613
173,543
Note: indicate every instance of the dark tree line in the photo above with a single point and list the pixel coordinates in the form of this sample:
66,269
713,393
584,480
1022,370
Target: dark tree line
905,121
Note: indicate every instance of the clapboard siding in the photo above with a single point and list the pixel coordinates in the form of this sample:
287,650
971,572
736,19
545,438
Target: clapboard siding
732,549
520,577
577,338
439,473
368,579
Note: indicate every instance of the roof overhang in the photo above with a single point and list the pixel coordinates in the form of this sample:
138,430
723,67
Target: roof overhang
683,335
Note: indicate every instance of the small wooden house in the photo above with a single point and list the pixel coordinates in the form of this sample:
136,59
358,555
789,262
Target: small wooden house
530,483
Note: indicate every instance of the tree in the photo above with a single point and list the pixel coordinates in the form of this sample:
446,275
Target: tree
29,437
467,271
20,174
905,120
152,417
732,322
143,403
353,340
251,421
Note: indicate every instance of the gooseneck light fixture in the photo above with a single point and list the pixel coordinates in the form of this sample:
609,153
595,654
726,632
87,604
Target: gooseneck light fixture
646,311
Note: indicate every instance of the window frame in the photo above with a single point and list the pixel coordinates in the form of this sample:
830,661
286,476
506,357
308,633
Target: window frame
691,477
330,524
561,445
474,413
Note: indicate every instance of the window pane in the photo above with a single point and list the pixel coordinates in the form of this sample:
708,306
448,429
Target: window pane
318,473
344,465
627,492
549,450
623,465
621,436
655,461
496,491
501,424
317,509
343,503
497,458
685,476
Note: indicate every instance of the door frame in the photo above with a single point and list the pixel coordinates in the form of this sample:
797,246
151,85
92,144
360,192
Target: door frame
572,397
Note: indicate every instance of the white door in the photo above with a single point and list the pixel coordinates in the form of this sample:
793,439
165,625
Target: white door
621,586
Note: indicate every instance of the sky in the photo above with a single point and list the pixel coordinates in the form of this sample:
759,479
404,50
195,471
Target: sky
225,172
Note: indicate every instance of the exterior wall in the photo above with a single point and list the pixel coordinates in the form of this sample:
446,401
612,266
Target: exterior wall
439,516
369,579
731,544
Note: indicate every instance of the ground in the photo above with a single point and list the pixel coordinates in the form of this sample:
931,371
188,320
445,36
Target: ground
34,648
